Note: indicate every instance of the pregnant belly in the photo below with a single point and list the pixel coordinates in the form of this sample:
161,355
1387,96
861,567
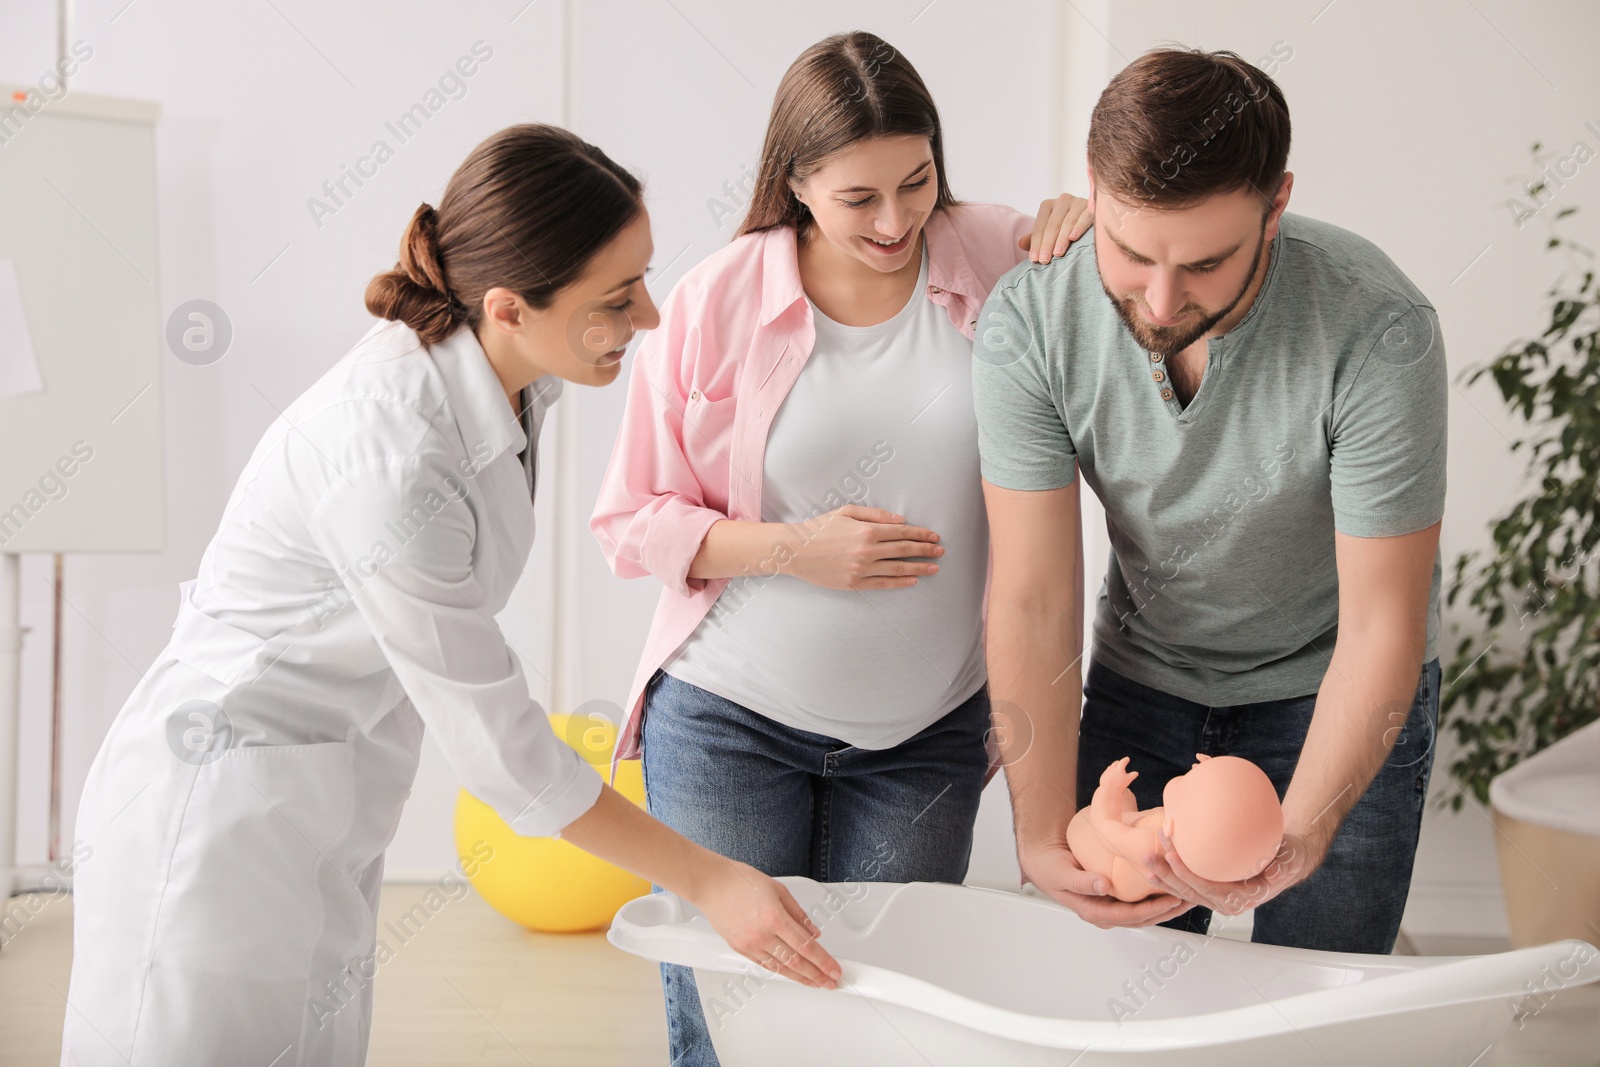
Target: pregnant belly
886,654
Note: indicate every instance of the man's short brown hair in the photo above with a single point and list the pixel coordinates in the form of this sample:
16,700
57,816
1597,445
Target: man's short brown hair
1178,125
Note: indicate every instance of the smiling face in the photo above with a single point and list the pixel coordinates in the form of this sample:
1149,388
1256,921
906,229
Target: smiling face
1176,275
582,335
870,200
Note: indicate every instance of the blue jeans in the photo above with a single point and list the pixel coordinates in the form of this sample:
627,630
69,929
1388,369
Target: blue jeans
1354,901
790,802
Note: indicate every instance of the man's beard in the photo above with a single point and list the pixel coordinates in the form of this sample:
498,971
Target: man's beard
1170,340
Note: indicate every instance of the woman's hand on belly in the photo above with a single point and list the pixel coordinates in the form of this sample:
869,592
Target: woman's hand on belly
857,547
852,547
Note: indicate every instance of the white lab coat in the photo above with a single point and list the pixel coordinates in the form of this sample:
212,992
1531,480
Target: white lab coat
226,910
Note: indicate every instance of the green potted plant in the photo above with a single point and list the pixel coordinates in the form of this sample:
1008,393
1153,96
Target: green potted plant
1531,675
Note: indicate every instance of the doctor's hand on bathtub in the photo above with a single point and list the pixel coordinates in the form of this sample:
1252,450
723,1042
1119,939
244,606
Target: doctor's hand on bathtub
761,921
756,915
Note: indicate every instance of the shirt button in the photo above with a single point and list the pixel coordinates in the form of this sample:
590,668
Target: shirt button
934,289
1158,376
695,395
1155,357
1166,394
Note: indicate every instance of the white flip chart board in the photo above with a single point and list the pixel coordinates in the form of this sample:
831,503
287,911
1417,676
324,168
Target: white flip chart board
80,456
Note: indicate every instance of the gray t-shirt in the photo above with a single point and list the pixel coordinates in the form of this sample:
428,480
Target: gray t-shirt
1323,409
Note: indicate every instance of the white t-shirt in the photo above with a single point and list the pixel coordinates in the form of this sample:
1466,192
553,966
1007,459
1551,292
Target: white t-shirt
880,416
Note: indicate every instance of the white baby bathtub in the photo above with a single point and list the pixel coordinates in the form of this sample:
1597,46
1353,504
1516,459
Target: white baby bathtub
955,976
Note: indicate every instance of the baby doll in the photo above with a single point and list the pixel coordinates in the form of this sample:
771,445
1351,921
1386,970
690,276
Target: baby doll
1223,818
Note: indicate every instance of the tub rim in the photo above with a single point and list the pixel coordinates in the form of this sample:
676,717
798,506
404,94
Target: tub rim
1408,982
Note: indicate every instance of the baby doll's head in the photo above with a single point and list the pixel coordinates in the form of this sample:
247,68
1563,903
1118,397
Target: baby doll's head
1225,818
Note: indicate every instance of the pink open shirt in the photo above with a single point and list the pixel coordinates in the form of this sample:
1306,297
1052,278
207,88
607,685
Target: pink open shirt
705,387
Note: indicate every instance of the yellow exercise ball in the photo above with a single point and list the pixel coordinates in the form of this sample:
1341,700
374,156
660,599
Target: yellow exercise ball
541,882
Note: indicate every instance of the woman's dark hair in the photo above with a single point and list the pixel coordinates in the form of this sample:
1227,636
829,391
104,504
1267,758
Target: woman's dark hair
841,90
526,210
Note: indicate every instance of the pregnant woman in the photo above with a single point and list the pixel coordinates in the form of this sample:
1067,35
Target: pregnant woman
798,466
237,814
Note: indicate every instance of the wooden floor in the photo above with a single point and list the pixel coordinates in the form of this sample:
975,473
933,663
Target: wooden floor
470,988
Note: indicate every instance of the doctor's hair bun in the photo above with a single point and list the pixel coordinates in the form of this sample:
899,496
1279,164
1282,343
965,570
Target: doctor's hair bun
417,292
526,211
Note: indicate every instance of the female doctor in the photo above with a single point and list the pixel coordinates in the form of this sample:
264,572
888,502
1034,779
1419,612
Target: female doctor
237,814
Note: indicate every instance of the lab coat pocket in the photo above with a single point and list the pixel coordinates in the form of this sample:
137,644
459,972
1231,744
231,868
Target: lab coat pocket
261,919
708,444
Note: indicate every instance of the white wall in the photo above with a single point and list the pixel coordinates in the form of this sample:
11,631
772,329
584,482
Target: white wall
261,108
1409,118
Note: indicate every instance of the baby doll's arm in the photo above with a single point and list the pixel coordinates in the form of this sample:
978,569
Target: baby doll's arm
1112,797
1112,811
